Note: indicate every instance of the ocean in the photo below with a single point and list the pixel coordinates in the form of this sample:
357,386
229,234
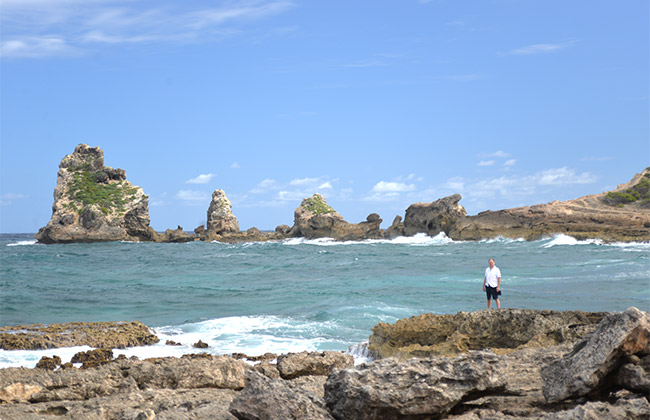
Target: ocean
299,294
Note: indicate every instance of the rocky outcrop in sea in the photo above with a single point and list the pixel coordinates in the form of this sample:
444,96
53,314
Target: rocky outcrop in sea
93,203
599,371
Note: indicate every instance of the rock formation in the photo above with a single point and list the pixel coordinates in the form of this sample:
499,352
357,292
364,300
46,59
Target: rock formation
93,202
430,335
95,334
606,376
313,218
220,217
619,215
586,368
433,218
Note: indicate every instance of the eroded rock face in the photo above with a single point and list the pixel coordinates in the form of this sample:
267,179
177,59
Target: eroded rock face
315,219
587,367
276,399
435,217
93,202
293,365
414,389
220,217
430,335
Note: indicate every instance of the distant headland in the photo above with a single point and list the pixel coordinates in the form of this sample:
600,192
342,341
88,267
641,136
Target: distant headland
95,203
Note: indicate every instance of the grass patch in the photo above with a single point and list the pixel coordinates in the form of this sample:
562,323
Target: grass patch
87,190
316,204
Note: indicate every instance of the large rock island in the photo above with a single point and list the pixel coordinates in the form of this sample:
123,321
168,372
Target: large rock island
94,203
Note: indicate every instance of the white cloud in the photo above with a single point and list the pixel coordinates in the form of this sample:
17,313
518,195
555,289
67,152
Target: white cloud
562,176
201,179
32,47
235,165
384,186
455,184
192,196
303,181
40,28
325,185
265,186
510,162
486,163
497,154
541,48
7,199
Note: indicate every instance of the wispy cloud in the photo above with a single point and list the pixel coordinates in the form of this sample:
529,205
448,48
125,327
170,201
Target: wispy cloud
235,165
40,28
201,179
497,154
7,199
384,186
542,48
486,163
193,197
510,162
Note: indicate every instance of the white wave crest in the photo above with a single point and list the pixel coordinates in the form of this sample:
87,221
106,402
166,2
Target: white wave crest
24,243
567,240
501,239
419,239
360,353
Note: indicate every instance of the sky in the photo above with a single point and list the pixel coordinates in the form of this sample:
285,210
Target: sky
373,104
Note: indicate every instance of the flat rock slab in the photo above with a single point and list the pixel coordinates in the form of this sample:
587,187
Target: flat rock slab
94,334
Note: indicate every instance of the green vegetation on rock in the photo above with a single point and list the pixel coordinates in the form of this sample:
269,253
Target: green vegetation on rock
317,205
87,189
638,193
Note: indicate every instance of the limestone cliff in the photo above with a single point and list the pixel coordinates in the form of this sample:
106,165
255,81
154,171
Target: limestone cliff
619,215
94,203
315,219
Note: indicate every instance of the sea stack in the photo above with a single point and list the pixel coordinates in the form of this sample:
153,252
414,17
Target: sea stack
95,203
220,217
314,218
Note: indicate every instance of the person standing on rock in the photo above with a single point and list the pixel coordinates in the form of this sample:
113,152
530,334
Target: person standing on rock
492,283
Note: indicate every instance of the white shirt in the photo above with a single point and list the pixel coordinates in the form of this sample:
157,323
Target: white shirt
492,275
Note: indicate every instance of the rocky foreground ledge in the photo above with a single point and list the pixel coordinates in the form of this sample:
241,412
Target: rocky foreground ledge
603,375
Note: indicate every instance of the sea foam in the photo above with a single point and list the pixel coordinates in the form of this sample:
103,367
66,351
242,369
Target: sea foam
24,243
562,239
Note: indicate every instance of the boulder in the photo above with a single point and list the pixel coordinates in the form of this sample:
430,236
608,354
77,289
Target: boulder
589,367
635,376
94,203
220,217
435,217
93,358
627,409
414,389
293,365
276,399
175,235
49,363
430,335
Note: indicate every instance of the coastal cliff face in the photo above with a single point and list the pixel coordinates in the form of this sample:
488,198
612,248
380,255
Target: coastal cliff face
433,218
93,202
619,215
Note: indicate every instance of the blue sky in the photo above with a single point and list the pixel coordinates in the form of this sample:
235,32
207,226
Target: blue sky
374,104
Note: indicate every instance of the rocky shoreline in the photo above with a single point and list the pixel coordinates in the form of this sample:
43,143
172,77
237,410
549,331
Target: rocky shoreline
94,203
540,365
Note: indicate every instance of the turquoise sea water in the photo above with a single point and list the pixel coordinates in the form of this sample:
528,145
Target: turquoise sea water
297,294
